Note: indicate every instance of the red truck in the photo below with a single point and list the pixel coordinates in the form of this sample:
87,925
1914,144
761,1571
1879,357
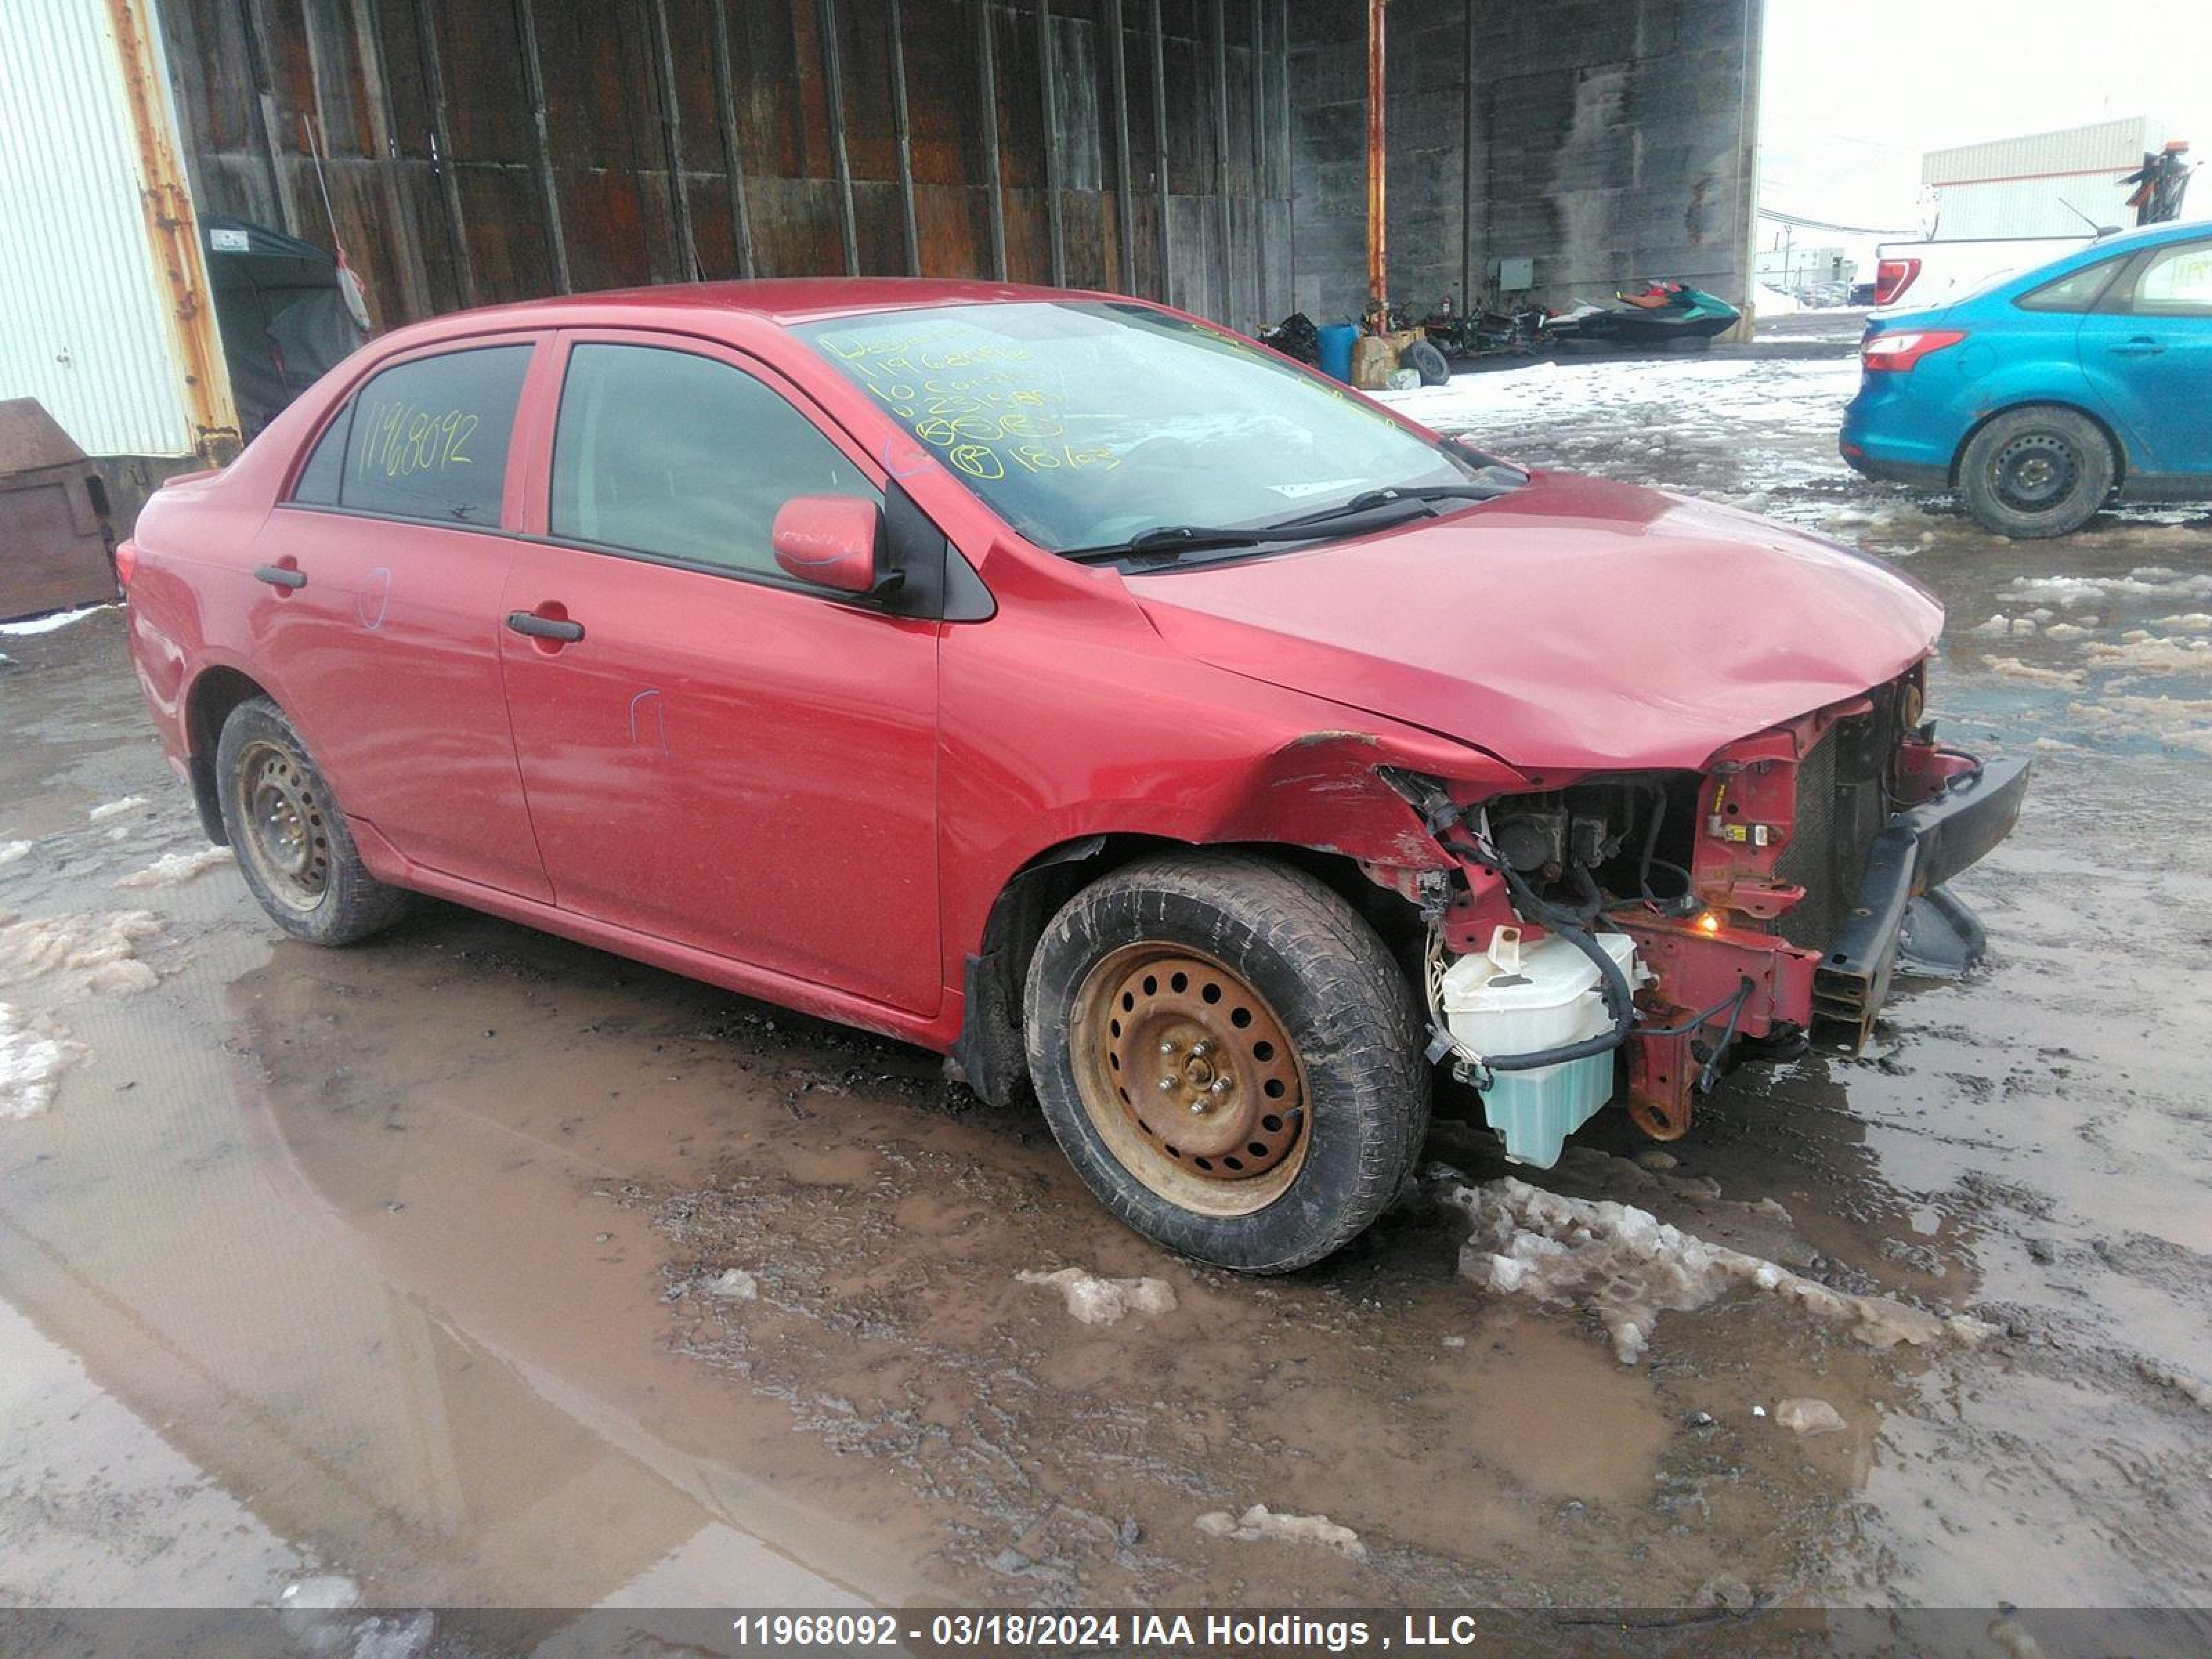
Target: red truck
1068,685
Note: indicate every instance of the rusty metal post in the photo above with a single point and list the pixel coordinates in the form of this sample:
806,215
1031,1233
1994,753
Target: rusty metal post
1378,249
174,234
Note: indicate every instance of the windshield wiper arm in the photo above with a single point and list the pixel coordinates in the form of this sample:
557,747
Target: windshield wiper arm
1367,500
1170,541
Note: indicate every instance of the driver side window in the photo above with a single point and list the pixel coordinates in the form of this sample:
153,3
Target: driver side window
681,457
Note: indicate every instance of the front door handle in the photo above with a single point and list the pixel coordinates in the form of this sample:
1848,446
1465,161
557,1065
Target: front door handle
2142,346
545,628
280,576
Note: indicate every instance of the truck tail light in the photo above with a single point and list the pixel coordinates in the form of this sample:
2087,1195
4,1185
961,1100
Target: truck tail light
126,563
1891,277
1896,353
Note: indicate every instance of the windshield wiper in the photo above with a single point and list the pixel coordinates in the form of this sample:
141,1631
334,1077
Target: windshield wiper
1367,500
1171,541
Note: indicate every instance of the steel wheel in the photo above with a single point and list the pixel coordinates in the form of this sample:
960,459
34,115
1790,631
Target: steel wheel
1190,1077
287,833
2036,472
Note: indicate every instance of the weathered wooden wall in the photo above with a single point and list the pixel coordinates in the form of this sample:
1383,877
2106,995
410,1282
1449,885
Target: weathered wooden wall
483,150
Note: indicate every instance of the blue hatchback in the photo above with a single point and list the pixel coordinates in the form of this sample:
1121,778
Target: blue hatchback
2039,396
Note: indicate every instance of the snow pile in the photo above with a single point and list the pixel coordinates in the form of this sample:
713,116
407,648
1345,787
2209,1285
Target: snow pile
2147,654
1096,1301
115,809
2027,673
2180,722
1259,1521
2195,1389
48,625
1809,1417
734,1283
12,851
32,1058
173,869
1631,1268
78,954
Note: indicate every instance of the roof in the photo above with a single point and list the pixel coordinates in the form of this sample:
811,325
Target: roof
783,300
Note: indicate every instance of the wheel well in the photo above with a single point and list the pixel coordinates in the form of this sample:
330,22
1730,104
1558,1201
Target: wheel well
990,1051
214,695
2119,451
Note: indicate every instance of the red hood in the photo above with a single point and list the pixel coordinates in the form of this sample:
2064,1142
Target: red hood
1574,624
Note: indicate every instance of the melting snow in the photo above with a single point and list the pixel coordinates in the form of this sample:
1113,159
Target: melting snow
1631,1268
1259,1521
173,869
12,850
734,1283
2011,668
113,809
1096,1301
1809,1417
78,953
33,1057
2193,1388
48,625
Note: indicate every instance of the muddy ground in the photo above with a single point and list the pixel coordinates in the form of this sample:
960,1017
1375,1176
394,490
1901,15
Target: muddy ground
403,1272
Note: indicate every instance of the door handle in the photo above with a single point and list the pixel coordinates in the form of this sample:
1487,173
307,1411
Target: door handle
2142,346
279,575
545,628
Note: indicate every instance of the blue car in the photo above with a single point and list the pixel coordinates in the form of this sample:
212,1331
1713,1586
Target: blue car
2041,396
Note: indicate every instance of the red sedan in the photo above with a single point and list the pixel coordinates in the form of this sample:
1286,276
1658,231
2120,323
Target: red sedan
1071,686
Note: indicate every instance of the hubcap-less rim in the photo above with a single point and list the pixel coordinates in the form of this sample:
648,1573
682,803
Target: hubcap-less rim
2037,472
286,833
1190,1078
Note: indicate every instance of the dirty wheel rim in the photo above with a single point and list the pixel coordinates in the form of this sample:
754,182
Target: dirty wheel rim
2037,472
1190,1077
287,831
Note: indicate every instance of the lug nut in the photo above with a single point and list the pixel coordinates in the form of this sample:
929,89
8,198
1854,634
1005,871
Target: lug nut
1167,1048
1203,1046
1221,1085
1198,1107
1166,1084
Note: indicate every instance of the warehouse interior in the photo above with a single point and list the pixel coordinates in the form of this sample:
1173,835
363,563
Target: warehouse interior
1212,153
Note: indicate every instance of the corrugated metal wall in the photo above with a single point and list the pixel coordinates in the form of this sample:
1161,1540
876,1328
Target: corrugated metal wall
85,314
2046,183
482,150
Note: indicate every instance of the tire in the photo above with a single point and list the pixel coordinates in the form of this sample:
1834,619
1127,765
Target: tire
2036,472
291,840
1433,366
1313,1020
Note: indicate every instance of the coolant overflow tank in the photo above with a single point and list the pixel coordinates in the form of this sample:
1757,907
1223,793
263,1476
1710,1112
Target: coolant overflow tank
1518,999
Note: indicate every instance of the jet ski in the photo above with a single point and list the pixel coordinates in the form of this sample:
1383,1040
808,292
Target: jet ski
1662,316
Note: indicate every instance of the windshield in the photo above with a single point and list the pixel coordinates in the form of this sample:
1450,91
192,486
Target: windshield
1086,424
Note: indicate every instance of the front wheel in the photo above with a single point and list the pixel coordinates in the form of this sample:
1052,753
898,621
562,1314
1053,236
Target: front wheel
2036,472
1228,1057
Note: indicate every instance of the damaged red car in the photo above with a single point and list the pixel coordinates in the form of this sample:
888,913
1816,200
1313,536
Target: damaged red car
1165,733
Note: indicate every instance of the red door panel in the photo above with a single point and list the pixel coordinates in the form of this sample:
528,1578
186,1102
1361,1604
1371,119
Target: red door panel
743,769
389,655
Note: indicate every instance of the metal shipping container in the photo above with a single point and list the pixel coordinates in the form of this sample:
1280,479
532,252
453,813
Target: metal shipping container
105,310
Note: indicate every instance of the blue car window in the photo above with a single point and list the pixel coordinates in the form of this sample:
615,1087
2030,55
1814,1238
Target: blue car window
2078,290
2177,282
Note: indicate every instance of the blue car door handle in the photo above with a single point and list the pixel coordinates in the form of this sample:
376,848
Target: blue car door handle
2142,346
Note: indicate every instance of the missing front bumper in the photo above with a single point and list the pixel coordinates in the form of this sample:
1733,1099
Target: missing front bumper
1915,853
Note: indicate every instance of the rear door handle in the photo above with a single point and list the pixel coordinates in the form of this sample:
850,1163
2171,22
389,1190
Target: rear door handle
278,575
2142,346
543,627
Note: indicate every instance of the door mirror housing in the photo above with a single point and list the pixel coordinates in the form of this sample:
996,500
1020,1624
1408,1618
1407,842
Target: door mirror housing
831,541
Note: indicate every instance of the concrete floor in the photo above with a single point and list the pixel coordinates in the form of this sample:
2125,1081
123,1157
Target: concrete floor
388,1273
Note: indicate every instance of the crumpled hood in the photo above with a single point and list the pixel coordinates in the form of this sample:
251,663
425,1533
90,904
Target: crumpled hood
1575,623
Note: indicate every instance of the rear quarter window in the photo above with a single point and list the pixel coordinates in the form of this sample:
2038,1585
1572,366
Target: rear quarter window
427,439
2076,291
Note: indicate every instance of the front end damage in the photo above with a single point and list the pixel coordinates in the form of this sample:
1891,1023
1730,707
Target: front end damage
1770,899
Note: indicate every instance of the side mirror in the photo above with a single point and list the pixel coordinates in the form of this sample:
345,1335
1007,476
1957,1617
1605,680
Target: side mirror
830,541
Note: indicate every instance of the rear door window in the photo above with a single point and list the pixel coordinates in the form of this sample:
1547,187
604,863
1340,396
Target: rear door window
683,457
2177,282
427,438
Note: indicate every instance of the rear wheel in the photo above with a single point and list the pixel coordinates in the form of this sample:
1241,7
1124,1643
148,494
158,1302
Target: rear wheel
2036,472
1228,1057
292,843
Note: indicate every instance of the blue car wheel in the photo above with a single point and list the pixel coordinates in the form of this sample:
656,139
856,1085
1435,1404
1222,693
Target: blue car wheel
2036,472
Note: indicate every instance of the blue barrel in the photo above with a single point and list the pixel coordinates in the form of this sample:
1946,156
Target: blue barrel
1336,340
